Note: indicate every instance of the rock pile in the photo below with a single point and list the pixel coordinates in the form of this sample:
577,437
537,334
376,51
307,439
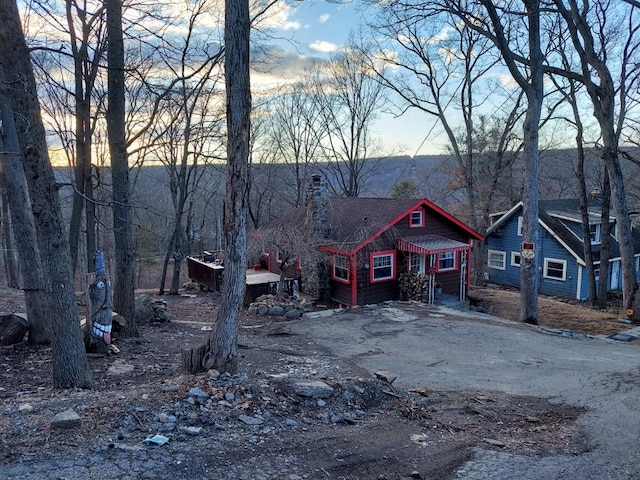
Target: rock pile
290,308
149,310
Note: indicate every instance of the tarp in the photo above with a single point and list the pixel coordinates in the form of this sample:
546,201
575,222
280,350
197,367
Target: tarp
430,244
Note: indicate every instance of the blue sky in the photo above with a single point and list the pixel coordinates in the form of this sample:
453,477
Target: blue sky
315,29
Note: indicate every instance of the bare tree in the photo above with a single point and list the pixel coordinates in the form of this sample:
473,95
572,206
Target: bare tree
12,177
348,97
221,350
124,284
502,24
592,28
69,362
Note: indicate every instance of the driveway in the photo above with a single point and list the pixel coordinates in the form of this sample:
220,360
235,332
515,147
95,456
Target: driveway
448,349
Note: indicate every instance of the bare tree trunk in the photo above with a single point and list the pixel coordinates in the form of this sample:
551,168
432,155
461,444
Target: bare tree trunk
605,242
24,229
124,287
9,259
69,362
221,350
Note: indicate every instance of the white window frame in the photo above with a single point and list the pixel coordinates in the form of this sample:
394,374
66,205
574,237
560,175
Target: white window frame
418,265
391,265
339,267
515,255
520,226
497,253
595,237
448,256
545,272
420,219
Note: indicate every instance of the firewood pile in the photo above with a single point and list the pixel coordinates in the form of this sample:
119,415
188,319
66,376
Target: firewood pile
413,286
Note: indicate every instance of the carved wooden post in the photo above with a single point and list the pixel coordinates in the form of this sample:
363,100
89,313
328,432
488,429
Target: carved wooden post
99,325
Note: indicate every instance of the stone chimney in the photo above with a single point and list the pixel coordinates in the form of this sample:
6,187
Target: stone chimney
318,205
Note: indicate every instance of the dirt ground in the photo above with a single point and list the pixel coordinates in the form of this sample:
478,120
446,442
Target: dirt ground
553,312
257,424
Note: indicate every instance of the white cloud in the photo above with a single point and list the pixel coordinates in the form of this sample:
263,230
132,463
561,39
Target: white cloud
323,46
324,17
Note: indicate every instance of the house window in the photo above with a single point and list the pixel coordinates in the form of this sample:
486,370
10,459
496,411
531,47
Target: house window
515,259
594,234
520,226
341,268
596,274
416,263
279,255
555,269
417,219
446,261
497,259
382,266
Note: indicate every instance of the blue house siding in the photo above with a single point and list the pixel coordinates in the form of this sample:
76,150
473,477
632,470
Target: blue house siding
505,240
551,250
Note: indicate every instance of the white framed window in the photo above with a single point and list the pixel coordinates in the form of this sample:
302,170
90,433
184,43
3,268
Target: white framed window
595,233
446,261
416,263
497,259
520,226
596,274
515,259
382,266
341,268
555,269
416,219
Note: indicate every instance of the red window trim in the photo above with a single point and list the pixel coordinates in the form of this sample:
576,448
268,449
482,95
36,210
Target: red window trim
394,272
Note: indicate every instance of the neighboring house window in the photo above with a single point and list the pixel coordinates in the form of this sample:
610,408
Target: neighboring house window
279,255
555,269
417,219
520,227
416,263
382,266
446,261
594,233
497,259
515,259
596,274
341,268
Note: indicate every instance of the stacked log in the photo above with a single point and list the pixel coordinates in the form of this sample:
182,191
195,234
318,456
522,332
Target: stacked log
413,286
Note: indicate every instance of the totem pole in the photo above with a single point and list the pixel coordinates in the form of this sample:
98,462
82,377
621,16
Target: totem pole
101,314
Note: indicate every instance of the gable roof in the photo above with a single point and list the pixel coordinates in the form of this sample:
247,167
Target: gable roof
553,215
353,222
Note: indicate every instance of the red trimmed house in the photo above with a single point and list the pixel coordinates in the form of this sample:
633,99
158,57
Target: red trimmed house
371,241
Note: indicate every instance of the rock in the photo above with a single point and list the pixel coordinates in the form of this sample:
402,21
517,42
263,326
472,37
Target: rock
493,442
415,474
120,368
386,376
67,419
276,311
292,423
263,310
313,389
13,328
213,374
193,431
198,394
229,396
293,314
170,388
250,420
26,408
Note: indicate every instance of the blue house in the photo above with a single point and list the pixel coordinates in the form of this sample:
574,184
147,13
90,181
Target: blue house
561,260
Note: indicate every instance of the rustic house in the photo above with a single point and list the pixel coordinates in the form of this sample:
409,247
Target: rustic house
561,245
371,242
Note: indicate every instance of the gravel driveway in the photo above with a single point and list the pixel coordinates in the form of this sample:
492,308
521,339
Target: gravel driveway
447,349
